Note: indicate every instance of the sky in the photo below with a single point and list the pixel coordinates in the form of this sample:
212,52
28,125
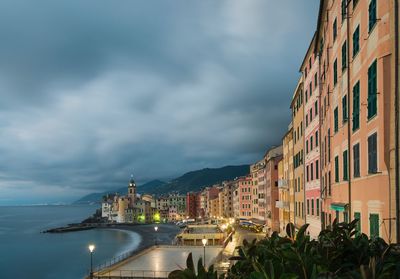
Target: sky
92,91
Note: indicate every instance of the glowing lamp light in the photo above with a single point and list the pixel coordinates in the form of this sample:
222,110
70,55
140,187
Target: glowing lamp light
156,228
204,241
91,248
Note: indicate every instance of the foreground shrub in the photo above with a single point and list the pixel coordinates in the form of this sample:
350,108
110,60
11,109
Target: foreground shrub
339,252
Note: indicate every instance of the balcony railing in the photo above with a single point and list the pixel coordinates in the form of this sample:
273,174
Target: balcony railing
282,204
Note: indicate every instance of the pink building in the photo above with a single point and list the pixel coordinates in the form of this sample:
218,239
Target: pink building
245,192
309,70
355,43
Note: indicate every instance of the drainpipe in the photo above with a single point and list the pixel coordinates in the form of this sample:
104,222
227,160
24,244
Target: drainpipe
348,109
396,92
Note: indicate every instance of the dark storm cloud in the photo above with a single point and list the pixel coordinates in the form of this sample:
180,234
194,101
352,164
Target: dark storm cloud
93,89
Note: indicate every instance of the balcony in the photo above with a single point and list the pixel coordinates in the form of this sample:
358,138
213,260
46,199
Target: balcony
282,204
283,184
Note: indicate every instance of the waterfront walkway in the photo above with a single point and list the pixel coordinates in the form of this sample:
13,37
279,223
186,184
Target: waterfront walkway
158,262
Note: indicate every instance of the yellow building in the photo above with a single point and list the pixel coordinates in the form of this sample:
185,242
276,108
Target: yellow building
287,181
298,154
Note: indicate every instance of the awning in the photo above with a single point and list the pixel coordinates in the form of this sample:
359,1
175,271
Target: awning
339,206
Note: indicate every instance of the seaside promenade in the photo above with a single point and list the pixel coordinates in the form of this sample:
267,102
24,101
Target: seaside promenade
158,261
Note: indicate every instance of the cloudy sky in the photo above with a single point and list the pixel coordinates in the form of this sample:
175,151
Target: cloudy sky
93,90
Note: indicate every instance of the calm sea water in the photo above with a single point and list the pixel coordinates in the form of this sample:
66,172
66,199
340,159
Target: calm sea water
27,253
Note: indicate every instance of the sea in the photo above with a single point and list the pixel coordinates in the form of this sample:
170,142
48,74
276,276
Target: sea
25,252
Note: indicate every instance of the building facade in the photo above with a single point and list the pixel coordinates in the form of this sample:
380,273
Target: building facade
272,158
355,45
297,107
309,70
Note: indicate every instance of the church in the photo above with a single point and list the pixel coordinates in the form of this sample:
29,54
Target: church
130,208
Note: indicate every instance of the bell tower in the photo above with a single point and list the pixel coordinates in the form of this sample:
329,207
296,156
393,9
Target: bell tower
132,190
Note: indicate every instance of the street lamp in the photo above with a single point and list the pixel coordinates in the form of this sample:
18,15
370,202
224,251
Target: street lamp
155,236
91,250
204,241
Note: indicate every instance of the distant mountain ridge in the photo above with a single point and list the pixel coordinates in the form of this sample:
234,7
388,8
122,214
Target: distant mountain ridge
190,181
97,197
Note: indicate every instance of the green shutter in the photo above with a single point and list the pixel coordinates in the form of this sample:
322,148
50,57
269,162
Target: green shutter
356,106
371,15
357,215
356,41
344,56
374,225
336,120
372,91
336,169
344,109
343,10
334,29
345,172
335,72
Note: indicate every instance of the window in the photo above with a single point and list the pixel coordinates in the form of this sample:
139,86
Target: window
374,225
308,207
312,206
316,139
329,183
334,29
355,2
310,88
345,166
357,215
315,80
344,56
356,106
312,172
307,120
317,204
343,10
329,145
335,72
336,120
306,96
372,91
344,109
311,143
356,160
307,172
316,107
371,15
336,168
356,41
317,169
301,128
372,154
306,146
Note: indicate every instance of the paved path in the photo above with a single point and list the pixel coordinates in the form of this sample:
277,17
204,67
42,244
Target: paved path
230,250
160,261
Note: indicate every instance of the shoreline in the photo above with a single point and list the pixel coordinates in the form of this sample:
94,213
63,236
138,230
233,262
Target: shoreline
148,238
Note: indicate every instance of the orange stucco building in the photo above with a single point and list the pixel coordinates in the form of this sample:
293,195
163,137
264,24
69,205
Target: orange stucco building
354,43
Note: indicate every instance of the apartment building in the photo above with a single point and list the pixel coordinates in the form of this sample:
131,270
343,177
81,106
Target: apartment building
245,194
272,158
309,70
228,188
354,41
297,107
257,171
287,184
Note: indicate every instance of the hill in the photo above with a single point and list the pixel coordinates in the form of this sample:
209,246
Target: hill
195,180
190,181
96,197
